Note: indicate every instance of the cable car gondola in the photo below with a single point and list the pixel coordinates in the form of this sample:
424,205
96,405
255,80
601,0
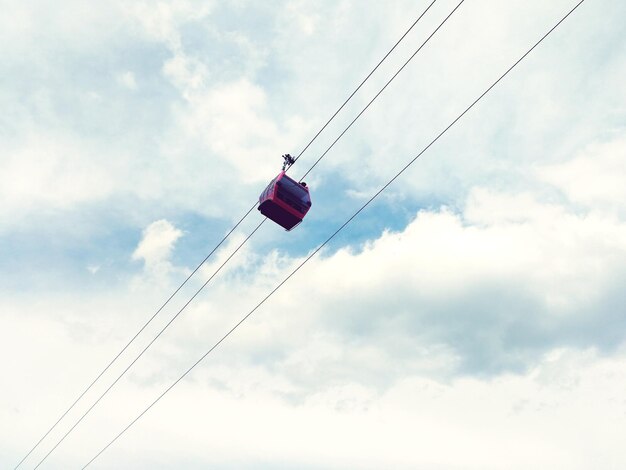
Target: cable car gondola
284,200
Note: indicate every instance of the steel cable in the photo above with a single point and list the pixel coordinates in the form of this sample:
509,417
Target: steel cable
432,142
149,321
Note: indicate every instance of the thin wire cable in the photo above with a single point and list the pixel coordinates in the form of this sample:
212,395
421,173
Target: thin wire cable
332,236
226,237
145,325
318,160
384,87
365,79
150,344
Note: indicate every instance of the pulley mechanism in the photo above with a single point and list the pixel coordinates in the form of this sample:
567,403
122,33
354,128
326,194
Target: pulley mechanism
288,161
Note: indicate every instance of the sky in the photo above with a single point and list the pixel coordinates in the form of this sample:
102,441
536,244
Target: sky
472,317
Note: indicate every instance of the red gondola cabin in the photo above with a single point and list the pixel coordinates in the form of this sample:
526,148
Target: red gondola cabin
285,201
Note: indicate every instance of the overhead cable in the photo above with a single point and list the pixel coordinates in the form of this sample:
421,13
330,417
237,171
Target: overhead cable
145,325
432,142
148,346
365,80
383,88
243,243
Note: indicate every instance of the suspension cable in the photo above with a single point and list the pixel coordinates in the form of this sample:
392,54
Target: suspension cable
149,344
145,325
383,88
245,241
365,79
432,142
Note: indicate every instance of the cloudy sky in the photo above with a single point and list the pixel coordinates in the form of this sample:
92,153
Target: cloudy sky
471,318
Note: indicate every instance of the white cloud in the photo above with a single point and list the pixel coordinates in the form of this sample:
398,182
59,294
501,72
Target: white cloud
162,21
155,249
127,79
304,21
232,122
596,179
546,418
93,269
479,292
50,171
186,73
157,242
369,344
